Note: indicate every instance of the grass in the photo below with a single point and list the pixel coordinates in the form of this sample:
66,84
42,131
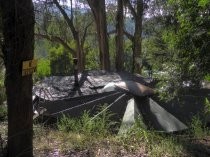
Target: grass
135,142
93,137
154,144
207,77
99,125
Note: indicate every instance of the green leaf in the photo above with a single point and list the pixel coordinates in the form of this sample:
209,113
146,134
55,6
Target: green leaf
203,3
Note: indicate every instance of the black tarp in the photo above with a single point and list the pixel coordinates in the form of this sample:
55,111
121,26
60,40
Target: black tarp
58,96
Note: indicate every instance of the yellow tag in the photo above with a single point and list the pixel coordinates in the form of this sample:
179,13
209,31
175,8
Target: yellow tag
29,67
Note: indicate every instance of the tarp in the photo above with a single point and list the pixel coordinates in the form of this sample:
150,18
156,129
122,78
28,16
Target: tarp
151,114
57,95
90,82
130,87
134,88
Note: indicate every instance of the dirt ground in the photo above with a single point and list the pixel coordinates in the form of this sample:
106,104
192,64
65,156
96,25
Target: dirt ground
193,147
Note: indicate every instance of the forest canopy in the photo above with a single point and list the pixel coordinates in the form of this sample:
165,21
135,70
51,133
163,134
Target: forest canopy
164,34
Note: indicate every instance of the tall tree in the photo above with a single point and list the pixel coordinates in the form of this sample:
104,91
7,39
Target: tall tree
18,33
119,36
99,13
136,9
76,37
61,36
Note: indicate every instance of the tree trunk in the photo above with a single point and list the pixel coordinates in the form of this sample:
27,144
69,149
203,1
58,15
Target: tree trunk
137,13
18,31
119,37
80,54
75,33
99,12
137,38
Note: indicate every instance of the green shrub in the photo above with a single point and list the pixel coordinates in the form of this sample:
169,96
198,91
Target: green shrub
207,77
2,95
67,124
92,60
197,128
86,124
43,68
3,112
60,60
206,111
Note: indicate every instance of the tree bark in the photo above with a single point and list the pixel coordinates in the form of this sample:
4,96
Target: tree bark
137,38
75,33
119,37
137,14
99,13
18,31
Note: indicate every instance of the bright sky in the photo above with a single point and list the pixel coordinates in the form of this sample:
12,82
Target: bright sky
75,4
67,2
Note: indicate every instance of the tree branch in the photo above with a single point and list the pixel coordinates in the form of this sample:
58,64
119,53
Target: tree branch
129,36
72,17
85,34
93,5
56,39
130,7
68,20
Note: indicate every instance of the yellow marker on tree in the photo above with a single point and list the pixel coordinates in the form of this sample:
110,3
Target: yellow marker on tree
29,67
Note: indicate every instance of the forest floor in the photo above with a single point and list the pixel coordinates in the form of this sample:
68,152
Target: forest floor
49,142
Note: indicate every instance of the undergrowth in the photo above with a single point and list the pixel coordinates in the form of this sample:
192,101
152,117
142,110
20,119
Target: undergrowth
95,134
86,124
3,112
155,144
